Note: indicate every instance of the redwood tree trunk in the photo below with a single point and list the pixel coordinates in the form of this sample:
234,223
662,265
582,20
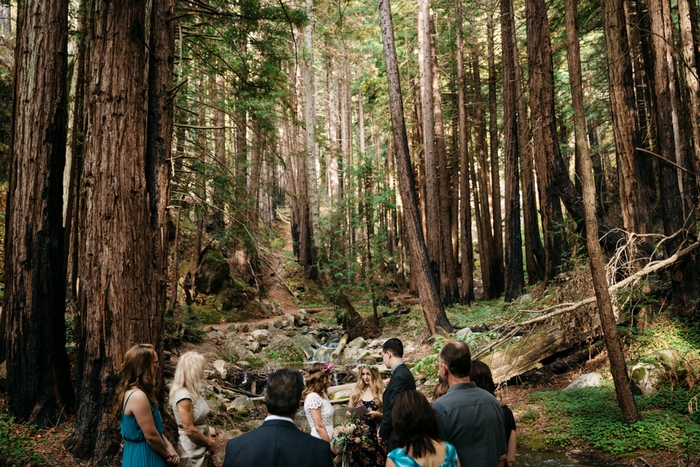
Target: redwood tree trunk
465,211
607,317
546,149
121,298
38,371
633,198
432,307
515,279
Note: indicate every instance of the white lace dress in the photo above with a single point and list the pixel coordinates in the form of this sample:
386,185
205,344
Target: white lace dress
314,401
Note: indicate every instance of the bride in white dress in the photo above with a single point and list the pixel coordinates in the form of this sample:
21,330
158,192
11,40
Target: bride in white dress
317,406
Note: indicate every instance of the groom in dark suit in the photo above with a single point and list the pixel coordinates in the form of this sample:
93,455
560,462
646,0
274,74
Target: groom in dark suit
278,442
401,380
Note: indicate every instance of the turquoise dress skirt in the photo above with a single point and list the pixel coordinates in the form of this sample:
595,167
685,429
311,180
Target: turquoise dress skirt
137,452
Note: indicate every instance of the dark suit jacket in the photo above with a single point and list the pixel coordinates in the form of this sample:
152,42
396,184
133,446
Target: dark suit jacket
277,443
401,380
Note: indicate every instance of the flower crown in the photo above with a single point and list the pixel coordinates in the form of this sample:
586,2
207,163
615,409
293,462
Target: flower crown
370,367
328,367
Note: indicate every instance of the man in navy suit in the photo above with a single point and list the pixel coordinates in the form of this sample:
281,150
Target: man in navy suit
278,442
401,380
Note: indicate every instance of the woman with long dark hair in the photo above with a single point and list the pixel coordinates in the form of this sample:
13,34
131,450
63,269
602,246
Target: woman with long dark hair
416,426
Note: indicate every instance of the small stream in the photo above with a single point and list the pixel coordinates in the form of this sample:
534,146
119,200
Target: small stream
527,458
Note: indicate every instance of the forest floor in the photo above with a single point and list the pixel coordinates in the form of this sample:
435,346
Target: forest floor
48,444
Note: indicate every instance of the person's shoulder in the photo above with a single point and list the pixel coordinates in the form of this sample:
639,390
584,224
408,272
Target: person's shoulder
183,394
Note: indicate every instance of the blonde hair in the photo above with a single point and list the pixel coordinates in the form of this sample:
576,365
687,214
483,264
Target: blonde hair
375,383
318,381
138,371
188,374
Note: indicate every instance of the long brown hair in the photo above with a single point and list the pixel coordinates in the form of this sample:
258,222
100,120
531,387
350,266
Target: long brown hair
318,381
375,383
137,371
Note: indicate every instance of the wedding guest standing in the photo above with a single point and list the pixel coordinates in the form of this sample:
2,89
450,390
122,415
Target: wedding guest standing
278,442
141,422
417,435
191,410
481,376
367,393
317,406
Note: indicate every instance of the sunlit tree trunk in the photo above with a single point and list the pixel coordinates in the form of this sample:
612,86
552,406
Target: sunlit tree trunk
465,216
482,189
497,273
38,371
515,279
310,114
432,307
446,261
688,19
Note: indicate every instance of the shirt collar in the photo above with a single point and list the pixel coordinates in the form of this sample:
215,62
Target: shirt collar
277,417
395,367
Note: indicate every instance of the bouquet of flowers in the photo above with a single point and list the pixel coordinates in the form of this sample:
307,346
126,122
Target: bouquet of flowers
349,436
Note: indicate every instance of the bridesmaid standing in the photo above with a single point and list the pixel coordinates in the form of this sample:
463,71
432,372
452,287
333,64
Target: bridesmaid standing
368,392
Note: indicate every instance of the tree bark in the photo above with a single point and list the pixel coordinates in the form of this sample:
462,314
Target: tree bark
684,275
447,267
534,251
125,178
497,272
515,279
633,197
38,371
545,143
616,353
465,211
481,190
432,307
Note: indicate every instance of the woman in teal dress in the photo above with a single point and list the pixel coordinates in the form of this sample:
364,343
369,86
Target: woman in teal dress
141,422
415,424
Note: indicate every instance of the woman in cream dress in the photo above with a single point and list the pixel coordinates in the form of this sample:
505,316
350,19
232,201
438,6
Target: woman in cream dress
191,410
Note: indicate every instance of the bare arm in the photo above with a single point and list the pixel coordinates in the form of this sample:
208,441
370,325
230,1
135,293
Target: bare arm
185,409
512,444
318,423
139,407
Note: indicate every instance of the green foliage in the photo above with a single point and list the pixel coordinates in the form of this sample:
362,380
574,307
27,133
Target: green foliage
16,443
208,313
591,415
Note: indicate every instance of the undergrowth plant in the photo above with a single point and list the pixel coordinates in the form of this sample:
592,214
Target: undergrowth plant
591,415
16,443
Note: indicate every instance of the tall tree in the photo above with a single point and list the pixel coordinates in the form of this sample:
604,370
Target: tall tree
605,310
38,371
630,163
432,307
125,180
515,279
497,274
545,143
446,260
465,214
